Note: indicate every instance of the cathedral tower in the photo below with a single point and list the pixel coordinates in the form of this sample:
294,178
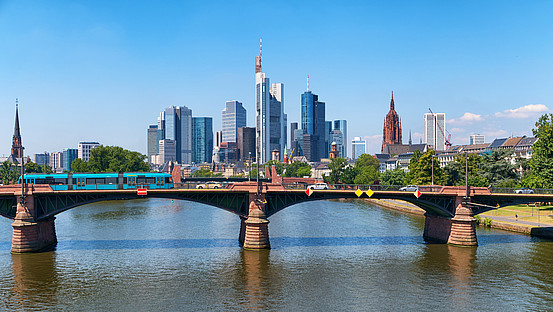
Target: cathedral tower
392,127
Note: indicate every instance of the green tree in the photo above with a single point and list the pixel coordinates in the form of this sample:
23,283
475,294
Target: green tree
367,170
112,159
455,170
541,163
202,173
279,166
497,167
337,166
298,169
420,169
393,177
32,167
8,172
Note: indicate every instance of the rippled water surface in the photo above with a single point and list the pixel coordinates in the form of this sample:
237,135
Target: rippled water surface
145,255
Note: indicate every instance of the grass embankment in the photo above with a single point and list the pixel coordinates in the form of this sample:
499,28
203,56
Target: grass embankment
529,213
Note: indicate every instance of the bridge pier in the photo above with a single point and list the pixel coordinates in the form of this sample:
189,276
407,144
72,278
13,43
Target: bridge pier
30,235
459,230
256,228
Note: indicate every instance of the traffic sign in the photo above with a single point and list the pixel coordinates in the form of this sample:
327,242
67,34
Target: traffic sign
309,192
358,192
370,193
142,191
417,194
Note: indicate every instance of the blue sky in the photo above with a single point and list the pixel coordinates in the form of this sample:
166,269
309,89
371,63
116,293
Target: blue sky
103,70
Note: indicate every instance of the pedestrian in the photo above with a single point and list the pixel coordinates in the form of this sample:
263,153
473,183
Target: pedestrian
516,217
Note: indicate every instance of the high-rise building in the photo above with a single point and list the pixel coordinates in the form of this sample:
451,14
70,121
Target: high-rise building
246,143
293,128
358,147
342,125
42,159
328,130
337,138
391,133
56,161
178,127
153,141
84,149
69,154
314,124
434,127
477,139
234,117
270,117
202,138
167,150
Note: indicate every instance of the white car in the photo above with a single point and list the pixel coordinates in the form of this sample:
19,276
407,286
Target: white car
409,188
318,186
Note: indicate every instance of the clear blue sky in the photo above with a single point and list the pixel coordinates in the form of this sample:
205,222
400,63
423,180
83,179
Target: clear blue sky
103,70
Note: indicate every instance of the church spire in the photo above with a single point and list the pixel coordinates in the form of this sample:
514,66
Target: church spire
16,141
392,106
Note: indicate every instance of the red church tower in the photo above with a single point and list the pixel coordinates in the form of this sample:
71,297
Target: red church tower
392,127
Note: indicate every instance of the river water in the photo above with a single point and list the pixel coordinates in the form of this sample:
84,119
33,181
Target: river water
157,254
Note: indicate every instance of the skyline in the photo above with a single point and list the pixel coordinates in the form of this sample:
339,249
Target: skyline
83,72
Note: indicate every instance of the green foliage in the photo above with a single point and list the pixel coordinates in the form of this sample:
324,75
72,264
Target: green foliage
111,159
478,219
508,183
337,167
202,173
541,163
496,167
298,169
8,172
455,170
367,175
32,167
488,222
420,169
279,166
393,177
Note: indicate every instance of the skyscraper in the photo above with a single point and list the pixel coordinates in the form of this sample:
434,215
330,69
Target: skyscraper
69,154
202,138
84,149
434,130
391,133
246,143
342,125
153,141
178,127
234,117
270,117
313,122
358,147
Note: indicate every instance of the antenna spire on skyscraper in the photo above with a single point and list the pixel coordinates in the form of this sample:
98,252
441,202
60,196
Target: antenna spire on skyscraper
258,58
307,83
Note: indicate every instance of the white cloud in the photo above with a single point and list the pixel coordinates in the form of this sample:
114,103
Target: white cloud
527,111
466,118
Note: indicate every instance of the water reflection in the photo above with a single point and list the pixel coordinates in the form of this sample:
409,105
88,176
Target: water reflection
36,281
255,275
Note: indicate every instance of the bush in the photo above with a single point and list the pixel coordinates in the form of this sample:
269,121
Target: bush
488,222
478,219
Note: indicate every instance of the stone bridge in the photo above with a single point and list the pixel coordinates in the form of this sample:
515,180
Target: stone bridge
449,212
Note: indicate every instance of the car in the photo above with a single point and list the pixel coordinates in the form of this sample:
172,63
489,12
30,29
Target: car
318,186
524,190
409,188
209,185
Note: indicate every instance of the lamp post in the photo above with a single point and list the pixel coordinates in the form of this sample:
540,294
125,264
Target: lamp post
250,167
432,170
467,174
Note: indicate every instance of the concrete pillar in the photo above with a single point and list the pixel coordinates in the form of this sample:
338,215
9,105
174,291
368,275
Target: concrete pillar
30,235
463,228
242,235
257,228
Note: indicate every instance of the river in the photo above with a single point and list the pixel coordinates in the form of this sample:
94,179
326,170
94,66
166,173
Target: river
157,254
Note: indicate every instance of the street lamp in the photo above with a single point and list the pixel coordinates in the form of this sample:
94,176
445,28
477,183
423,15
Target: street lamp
433,170
467,174
250,168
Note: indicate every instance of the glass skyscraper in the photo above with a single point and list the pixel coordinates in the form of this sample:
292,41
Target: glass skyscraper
202,138
342,125
176,124
69,154
358,147
313,122
234,117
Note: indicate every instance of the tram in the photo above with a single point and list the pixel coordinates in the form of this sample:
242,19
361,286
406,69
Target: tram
101,181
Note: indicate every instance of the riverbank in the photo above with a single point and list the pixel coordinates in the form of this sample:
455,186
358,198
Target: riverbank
521,219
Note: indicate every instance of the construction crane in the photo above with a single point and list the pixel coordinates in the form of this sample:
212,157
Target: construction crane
447,140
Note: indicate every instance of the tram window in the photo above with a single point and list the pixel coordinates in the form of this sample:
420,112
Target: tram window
168,180
111,180
140,180
124,180
74,181
60,181
150,180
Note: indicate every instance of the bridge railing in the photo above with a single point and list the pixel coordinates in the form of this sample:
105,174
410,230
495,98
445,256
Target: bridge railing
362,187
510,190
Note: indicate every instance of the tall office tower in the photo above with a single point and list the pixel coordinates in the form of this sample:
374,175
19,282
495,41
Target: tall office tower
234,117
69,154
218,138
342,125
358,147
160,128
153,142
293,128
246,143
270,117
337,138
178,127
434,127
477,139
84,148
167,150
391,133
202,138
328,130
313,122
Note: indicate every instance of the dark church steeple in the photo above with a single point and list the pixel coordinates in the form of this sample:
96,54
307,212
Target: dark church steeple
17,150
391,133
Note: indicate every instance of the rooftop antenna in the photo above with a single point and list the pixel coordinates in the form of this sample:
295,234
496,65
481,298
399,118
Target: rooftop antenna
307,83
258,58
